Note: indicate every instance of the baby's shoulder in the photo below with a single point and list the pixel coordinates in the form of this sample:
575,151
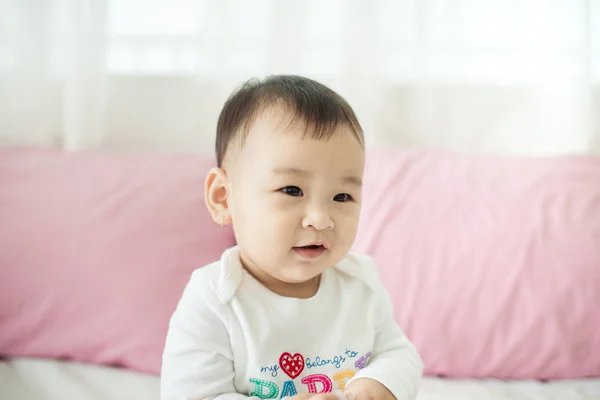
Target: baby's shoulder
362,268
220,278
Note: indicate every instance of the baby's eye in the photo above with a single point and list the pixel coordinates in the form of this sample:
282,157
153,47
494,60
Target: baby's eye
292,191
342,197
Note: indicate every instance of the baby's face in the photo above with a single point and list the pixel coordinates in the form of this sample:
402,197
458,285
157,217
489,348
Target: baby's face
294,201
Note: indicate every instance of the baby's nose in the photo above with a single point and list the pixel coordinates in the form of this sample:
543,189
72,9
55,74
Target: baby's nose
318,219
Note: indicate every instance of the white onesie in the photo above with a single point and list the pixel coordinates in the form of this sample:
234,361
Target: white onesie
231,338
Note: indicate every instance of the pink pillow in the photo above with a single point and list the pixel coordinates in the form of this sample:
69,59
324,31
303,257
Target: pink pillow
493,264
95,251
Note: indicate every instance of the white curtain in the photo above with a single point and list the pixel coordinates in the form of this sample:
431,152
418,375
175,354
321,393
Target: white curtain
486,76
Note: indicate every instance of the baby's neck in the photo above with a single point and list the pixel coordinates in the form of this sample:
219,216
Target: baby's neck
301,290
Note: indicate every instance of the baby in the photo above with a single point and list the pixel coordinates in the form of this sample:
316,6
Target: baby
288,312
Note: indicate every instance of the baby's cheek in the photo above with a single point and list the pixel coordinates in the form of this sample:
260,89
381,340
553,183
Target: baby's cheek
347,226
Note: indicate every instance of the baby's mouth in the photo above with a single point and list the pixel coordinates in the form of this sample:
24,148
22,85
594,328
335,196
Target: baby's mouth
310,251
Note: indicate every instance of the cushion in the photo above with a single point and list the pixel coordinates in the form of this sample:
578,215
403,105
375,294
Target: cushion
95,251
493,264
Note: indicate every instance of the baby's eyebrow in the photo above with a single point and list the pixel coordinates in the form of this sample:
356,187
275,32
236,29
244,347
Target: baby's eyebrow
353,180
290,170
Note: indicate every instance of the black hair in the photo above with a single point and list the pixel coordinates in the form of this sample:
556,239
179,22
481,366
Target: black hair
321,108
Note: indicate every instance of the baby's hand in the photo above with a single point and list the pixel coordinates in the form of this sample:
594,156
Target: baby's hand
320,396
367,389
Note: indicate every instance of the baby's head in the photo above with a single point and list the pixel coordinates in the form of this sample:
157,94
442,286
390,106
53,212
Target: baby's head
290,155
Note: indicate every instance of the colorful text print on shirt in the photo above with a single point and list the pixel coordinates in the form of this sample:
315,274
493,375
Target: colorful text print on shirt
315,383
337,360
292,365
320,361
272,369
362,362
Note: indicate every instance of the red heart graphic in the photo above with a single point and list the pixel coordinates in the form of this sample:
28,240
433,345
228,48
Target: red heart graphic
292,365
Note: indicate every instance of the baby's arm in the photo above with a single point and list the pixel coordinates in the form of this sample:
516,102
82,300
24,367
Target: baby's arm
197,359
394,361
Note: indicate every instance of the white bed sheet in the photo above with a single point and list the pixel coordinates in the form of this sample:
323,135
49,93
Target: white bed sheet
30,379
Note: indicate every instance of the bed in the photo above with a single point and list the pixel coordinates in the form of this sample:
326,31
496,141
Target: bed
35,379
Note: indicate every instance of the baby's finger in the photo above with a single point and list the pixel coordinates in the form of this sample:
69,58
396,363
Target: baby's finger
328,396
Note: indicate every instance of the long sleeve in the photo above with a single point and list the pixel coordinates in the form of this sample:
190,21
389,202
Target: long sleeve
197,359
394,361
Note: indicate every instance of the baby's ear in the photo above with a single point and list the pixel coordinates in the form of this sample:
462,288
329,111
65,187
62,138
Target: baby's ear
216,194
